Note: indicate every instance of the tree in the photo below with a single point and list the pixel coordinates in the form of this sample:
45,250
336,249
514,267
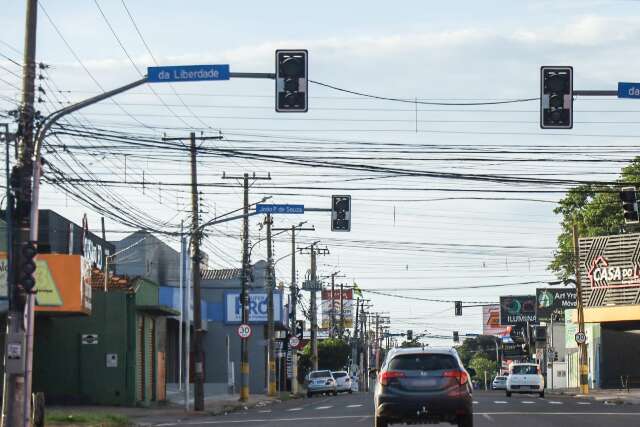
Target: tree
596,211
483,366
482,344
410,344
333,354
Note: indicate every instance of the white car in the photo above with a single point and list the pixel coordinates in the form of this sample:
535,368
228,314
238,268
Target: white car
525,378
343,381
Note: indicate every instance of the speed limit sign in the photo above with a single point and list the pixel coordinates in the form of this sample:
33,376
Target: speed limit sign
581,338
294,342
244,331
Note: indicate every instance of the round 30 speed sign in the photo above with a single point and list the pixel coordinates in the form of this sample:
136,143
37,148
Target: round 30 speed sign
244,331
294,342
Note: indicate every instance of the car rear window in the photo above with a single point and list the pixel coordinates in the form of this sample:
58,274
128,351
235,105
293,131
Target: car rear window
339,374
525,370
501,378
422,362
320,374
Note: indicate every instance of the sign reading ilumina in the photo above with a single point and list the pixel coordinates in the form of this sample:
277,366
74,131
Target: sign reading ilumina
518,310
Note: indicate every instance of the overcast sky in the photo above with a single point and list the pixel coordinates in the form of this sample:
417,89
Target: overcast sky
456,51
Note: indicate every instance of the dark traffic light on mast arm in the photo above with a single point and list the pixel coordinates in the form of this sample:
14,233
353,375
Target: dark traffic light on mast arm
340,213
629,199
556,97
458,308
27,271
292,81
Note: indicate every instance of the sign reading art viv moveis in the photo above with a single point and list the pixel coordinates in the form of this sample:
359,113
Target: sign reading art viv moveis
610,270
551,303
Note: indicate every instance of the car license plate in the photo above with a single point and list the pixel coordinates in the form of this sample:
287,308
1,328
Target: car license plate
426,382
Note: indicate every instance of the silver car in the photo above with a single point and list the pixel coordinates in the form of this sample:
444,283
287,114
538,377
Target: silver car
499,383
319,382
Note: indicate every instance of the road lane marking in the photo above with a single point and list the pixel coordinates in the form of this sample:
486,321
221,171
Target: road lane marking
343,417
265,411
553,402
488,417
500,402
294,409
354,406
528,402
323,407
475,402
583,403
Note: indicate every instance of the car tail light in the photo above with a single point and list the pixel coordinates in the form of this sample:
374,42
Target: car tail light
539,371
388,375
461,376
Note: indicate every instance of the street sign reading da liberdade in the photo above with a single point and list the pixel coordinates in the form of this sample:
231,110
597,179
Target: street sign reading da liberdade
187,73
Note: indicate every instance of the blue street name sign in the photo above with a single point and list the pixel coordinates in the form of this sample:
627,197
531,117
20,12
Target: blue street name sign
187,73
280,209
628,90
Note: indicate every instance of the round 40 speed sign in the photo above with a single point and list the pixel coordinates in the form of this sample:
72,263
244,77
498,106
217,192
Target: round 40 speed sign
244,331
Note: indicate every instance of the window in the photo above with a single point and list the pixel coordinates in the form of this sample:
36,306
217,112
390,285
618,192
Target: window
339,374
525,369
320,374
422,362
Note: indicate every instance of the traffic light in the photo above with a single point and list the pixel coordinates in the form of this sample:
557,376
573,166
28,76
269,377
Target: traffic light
456,336
409,335
340,213
299,332
28,254
292,81
556,97
629,200
458,308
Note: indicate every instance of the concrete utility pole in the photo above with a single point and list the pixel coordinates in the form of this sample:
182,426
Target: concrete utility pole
341,310
245,273
584,361
271,361
293,289
16,409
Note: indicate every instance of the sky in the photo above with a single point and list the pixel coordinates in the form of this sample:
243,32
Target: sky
420,232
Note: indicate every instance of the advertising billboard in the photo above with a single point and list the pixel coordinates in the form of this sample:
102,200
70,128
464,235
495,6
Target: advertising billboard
491,320
551,303
257,307
518,310
330,308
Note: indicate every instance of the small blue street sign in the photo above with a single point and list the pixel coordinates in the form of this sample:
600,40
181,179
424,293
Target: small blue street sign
628,90
280,209
187,73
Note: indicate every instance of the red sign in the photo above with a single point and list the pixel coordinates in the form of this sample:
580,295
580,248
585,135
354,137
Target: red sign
602,275
244,331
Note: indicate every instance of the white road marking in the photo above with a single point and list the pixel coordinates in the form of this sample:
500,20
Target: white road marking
583,403
353,406
554,402
324,407
528,402
342,417
488,417
475,402
265,411
294,409
501,402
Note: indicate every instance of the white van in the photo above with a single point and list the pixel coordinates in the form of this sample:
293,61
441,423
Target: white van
525,378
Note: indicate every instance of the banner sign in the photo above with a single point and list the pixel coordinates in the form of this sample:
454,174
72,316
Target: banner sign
610,270
518,310
491,321
551,303
257,308
331,308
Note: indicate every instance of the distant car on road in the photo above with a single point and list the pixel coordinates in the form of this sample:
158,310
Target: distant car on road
417,385
319,382
499,383
525,378
343,381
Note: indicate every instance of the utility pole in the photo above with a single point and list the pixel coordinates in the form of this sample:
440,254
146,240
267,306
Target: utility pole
354,339
16,409
342,310
271,361
196,259
244,294
293,289
332,327
584,361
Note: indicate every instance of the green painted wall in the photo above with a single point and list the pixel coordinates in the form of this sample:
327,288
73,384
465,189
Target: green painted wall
68,371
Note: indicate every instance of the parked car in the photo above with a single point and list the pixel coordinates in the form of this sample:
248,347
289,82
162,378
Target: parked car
499,383
319,382
423,385
525,378
343,381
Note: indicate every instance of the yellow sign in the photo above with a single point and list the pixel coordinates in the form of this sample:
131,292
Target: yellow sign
46,291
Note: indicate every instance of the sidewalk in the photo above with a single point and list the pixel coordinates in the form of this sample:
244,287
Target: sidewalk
171,412
612,396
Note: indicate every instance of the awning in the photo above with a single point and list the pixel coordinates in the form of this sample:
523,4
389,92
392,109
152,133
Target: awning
158,310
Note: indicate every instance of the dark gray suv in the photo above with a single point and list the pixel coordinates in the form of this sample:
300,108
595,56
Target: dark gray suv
423,385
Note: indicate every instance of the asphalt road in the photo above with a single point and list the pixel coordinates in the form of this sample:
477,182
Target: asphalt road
490,409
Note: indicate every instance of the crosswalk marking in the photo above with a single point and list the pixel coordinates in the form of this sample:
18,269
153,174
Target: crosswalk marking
324,407
353,406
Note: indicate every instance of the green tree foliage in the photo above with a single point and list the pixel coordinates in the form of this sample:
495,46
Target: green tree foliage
596,210
333,354
483,345
483,365
410,344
